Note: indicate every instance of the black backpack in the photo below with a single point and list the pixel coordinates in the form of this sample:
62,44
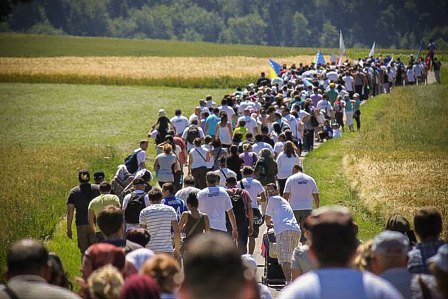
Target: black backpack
160,137
239,208
131,162
192,134
135,205
314,121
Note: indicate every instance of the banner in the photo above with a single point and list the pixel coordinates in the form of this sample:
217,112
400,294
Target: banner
341,48
372,51
274,69
319,58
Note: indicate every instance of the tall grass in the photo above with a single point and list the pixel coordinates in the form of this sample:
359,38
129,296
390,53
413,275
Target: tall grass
50,131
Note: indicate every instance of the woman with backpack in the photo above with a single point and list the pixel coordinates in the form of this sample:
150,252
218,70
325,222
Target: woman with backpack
224,130
234,162
265,171
198,159
161,127
217,152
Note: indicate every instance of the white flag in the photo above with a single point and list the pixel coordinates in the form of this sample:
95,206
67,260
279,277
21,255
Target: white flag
372,51
341,48
390,62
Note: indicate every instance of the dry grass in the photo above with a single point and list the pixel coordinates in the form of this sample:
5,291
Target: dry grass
143,67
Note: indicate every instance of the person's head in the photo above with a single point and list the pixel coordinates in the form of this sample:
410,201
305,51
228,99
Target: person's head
189,181
57,275
428,223
27,257
110,221
105,282
333,236
167,189
399,223
155,196
247,171
213,269
197,142
178,112
289,149
138,235
271,189
145,175
138,183
249,136
211,178
258,138
264,130
266,153
233,150
98,177
165,270
223,162
144,144
389,250
438,265
363,258
83,176
192,201
167,148
231,182
140,287
105,188
296,168
242,123
237,138
216,143
247,147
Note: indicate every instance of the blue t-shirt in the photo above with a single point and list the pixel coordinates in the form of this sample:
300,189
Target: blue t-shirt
212,121
176,203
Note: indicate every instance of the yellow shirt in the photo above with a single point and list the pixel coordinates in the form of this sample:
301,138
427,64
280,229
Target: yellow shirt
242,130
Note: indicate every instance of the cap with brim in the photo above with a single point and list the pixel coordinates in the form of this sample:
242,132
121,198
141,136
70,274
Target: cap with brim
398,223
441,258
390,243
162,112
98,175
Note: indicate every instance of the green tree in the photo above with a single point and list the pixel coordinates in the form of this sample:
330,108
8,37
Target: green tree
249,29
329,37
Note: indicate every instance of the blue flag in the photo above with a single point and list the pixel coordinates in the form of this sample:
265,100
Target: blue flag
274,68
419,50
319,58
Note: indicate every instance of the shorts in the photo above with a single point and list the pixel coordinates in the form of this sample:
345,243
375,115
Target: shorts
85,237
301,215
286,242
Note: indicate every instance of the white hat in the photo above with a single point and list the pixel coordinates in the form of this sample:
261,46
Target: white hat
441,258
162,112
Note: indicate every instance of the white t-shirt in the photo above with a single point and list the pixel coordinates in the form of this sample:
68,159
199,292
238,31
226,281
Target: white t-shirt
193,117
282,215
258,146
251,123
215,202
332,76
348,81
184,192
293,123
157,218
185,134
339,283
199,155
180,123
229,111
141,157
253,187
125,204
224,173
285,165
278,147
301,187
410,75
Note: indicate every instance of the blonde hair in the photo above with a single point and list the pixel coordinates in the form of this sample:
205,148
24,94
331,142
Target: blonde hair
105,282
167,148
363,259
165,270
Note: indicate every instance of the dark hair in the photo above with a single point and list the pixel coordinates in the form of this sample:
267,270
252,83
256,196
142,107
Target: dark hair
178,112
83,176
223,116
189,180
197,142
233,150
168,187
237,138
58,276
216,143
155,195
192,199
138,235
27,256
258,137
264,129
334,239
110,220
231,181
428,222
247,170
210,258
105,187
249,135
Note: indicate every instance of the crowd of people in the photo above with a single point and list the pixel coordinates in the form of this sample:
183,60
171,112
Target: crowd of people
189,229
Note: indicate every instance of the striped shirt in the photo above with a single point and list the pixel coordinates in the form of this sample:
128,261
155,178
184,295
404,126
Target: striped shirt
157,218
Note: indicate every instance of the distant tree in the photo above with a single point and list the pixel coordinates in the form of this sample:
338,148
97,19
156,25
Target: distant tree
329,37
249,29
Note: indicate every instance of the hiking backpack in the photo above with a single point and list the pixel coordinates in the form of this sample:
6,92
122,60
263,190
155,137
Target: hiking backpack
192,134
160,137
135,205
131,162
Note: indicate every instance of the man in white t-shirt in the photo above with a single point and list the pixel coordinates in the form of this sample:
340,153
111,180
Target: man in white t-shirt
130,216
334,246
251,123
223,172
301,190
159,219
231,116
349,82
286,229
189,187
141,155
257,194
260,144
192,132
215,202
180,122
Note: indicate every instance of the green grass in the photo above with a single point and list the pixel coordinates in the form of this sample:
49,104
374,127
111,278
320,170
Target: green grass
49,131
22,45
396,163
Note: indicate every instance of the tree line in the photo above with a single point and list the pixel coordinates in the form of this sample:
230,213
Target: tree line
313,23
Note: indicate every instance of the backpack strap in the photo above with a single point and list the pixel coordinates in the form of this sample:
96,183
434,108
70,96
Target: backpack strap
241,184
196,149
195,225
223,174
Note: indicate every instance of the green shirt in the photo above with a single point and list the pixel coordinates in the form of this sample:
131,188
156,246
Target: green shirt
242,130
100,202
